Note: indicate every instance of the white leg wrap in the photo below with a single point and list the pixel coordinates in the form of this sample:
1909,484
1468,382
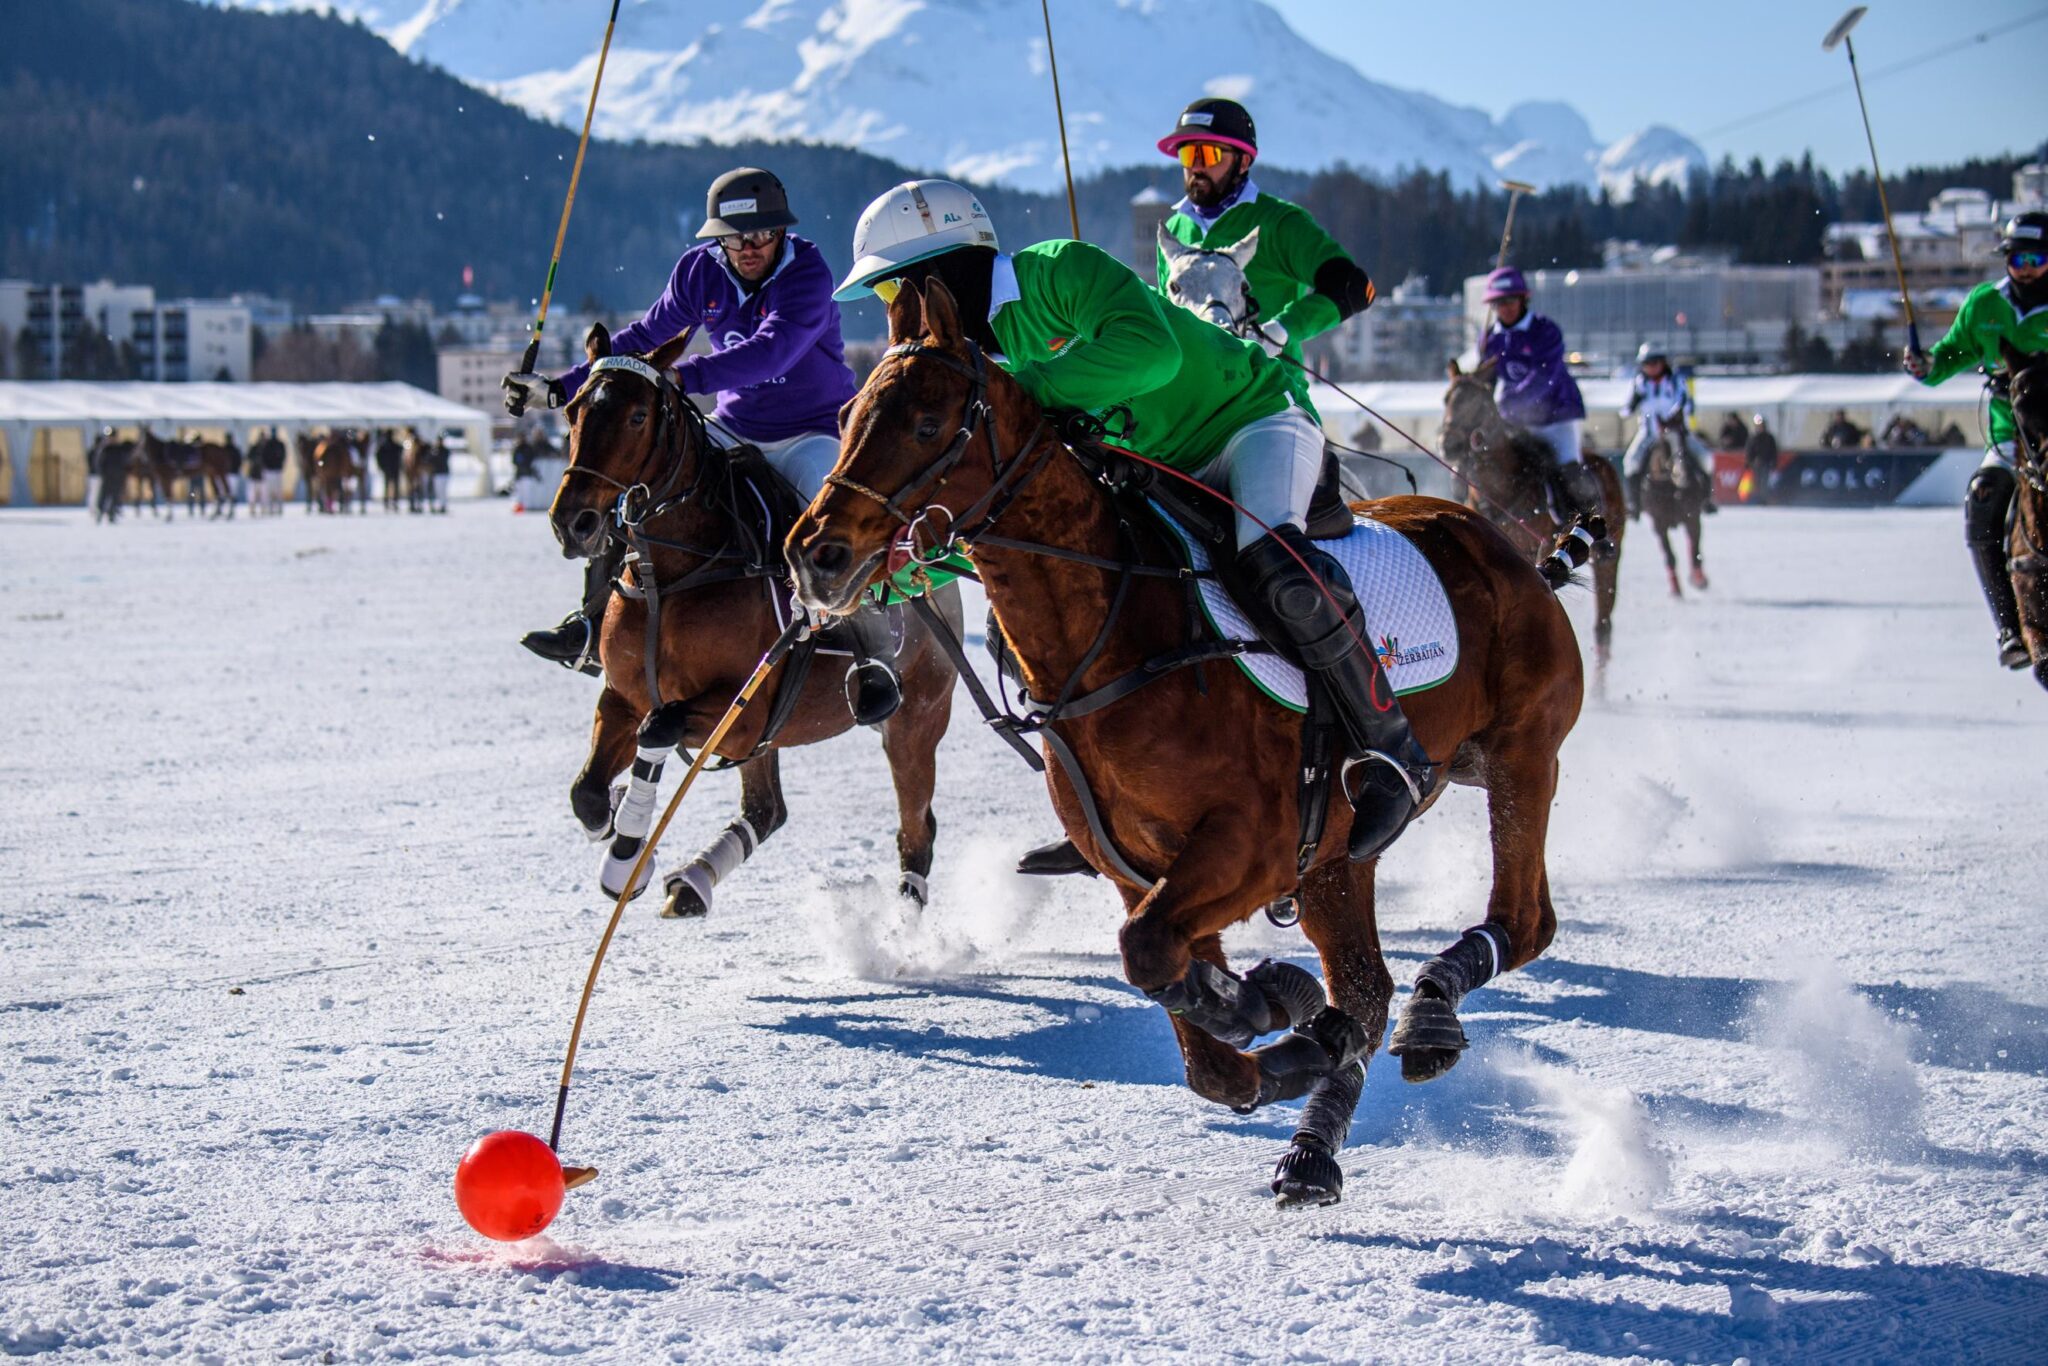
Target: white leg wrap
630,824
734,845
913,886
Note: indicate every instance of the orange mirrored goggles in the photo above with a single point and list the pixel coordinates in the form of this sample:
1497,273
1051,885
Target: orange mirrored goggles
1201,155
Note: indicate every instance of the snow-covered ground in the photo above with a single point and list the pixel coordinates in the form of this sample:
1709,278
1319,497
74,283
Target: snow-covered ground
293,909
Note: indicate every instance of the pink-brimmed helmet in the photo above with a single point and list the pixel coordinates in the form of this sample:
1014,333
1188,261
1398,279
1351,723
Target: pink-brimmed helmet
1213,119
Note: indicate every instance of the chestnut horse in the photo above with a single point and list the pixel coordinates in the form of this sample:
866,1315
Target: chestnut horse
636,435
1673,496
1505,467
1195,781
203,465
2027,543
337,468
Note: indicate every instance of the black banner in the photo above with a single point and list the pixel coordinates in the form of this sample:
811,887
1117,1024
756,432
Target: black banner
1845,478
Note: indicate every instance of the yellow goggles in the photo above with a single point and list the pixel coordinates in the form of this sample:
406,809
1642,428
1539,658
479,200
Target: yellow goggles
1201,154
887,290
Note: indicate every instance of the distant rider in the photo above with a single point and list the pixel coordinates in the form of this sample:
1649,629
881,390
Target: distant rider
1535,389
1079,331
1664,404
2012,311
1300,282
763,297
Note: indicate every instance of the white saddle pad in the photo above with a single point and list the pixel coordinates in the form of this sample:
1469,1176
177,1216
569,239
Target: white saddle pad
1407,614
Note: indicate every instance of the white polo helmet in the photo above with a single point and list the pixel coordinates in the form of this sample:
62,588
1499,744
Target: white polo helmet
917,219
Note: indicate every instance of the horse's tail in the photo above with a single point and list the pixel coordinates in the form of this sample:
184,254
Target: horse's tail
1574,550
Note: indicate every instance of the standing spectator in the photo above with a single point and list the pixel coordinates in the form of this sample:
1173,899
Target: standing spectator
1841,433
252,477
1733,433
273,473
1760,454
1951,436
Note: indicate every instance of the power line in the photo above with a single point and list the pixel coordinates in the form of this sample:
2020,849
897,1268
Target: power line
1933,54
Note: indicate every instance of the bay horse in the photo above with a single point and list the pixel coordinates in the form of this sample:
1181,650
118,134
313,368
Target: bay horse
1193,781
336,469
642,466
1506,469
205,466
2027,542
1673,495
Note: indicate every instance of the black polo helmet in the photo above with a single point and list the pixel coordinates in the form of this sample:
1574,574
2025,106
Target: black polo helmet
745,200
2024,232
1213,119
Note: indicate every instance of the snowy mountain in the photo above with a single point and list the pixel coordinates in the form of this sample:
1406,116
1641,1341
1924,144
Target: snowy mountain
887,76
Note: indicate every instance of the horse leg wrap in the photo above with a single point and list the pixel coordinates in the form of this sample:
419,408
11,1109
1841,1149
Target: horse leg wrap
1326,1042
913,887
734,846
1480,955
631,822
1223,1005
1308,1174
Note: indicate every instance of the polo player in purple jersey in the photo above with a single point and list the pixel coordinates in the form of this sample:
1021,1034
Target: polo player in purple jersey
762,296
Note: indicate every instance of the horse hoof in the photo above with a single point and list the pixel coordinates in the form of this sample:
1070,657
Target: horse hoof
683,903
1428,1039
1307,1175
914,889
1699,578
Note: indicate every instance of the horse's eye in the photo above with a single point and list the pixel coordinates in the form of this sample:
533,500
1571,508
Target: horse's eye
928,430
640,418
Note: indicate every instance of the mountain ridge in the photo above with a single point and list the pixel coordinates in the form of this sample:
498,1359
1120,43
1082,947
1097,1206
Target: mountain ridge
861,73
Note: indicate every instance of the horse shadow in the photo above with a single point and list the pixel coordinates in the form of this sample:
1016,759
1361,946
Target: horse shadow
1759,1306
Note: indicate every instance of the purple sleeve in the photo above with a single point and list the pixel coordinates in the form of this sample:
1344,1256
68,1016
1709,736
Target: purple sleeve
801,310
670,314
1546,343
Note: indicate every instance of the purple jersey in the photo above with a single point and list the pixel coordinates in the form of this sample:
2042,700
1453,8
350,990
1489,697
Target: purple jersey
1532,384
777,363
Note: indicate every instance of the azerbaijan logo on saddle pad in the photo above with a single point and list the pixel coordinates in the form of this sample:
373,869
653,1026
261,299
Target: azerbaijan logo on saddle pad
1406,609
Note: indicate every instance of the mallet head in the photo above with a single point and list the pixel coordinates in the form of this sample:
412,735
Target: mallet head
1842,27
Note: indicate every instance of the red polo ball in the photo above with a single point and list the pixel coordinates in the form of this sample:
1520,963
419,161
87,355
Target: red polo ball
509,1185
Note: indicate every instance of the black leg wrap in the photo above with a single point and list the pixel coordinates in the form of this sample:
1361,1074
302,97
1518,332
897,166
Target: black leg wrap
1221,1004
1326,1042
1471,962
1296,990
663,728
1326,1118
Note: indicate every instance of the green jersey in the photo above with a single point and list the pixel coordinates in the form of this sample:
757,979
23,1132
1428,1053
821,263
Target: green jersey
1079,330
1292,248
1987,318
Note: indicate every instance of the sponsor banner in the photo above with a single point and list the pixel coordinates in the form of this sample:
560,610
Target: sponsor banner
1824,478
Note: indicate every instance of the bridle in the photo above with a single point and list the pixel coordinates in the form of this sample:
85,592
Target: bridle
679,430
1007,478
1243,324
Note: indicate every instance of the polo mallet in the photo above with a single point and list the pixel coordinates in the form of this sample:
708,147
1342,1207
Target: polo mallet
509,1185
798,627
1516,189
1073,213
1840,34
532,356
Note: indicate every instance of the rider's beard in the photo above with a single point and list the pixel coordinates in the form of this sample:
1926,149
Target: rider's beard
2028,296
1207,191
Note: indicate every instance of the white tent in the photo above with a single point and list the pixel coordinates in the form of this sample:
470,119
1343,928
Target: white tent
243,410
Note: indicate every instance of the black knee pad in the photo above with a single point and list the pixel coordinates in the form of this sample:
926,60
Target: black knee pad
1986,505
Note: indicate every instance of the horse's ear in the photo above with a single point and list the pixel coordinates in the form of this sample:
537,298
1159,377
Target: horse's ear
597,342
669,352
1486,369
906,315
1452,369
1172,246
941,315
1244,248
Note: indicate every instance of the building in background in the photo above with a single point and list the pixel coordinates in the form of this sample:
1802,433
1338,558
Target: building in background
1945,252
1408,333
112,331
1149,210
1715,314
470,375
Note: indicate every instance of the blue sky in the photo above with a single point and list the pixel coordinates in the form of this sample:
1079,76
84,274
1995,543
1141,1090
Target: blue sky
1700,64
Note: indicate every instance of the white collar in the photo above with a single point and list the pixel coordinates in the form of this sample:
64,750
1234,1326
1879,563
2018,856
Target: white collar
1246,193
1521,326
1002,284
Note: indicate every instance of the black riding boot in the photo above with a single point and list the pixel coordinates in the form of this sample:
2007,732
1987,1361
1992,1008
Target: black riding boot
573,644
1634,485
1984,513
1055,860
873,692
1329,639
1706,478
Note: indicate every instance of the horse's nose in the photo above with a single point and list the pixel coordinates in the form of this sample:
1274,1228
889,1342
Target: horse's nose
829,558
584,526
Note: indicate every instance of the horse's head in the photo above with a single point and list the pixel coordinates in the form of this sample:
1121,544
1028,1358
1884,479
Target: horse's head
1210,284
2027,380
631,431
1472,421
918,449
